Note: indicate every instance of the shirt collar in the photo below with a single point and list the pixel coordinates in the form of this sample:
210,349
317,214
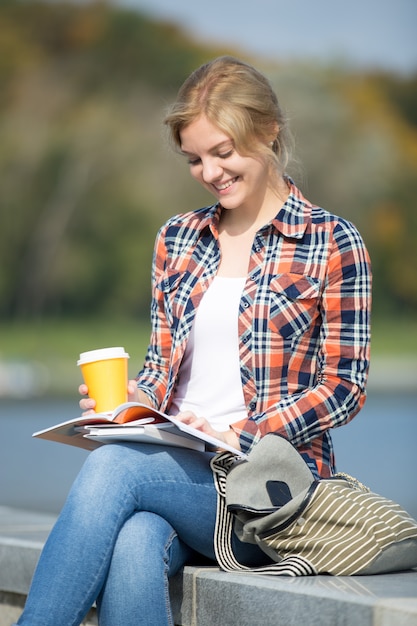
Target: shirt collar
291,220
294,215
211,219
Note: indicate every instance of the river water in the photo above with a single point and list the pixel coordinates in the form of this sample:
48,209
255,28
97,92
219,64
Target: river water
379,447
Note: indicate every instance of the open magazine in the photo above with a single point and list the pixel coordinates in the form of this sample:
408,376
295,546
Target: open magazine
134,422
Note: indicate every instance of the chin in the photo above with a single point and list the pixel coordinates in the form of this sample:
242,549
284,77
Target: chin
229,204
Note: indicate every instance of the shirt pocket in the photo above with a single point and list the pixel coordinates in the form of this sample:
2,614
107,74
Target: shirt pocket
294,303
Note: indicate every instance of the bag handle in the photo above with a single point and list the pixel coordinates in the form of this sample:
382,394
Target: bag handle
289,566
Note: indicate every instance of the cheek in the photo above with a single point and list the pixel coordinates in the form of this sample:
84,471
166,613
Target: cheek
198,177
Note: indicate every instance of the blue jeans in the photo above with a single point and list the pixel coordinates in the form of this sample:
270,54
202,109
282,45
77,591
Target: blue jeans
134,516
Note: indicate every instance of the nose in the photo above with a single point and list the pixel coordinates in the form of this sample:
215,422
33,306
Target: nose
212,170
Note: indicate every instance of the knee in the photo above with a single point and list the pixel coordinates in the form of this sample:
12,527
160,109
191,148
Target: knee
104,473
108,462
144,536
144,526
105,457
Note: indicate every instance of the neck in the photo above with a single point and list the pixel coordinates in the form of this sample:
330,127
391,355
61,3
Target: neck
250,219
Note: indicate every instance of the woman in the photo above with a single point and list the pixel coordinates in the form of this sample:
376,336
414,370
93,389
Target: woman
260,323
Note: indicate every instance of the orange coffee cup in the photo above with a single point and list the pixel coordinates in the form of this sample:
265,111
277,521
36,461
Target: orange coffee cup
105,373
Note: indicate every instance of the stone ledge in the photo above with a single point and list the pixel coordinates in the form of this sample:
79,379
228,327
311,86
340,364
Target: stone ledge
206,596
214,598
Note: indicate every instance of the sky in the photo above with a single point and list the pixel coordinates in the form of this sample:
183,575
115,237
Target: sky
365,34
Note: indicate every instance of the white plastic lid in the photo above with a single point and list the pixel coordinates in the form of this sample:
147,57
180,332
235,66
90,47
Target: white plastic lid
102,354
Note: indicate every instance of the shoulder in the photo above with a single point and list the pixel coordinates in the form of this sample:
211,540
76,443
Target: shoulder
346,249
339,228
190,222
340,236
181,232
302,218
191,219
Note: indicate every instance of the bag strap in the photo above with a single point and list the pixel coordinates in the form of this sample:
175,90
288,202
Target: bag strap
289,566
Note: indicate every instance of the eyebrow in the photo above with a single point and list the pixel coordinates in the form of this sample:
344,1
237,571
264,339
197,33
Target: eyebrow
213,149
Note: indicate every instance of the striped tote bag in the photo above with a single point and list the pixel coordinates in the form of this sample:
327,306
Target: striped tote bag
333,526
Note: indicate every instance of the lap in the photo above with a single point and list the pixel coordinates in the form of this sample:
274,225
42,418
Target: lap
174,483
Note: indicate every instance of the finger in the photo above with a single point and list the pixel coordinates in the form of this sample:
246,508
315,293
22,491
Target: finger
88,413
186,416
83,389
87,404
191,419
200,423
133,392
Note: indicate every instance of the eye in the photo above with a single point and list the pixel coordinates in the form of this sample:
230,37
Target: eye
193,161
226,155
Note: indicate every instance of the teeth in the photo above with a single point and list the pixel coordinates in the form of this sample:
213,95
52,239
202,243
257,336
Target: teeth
226,185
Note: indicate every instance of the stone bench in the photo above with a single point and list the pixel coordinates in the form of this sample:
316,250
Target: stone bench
206,596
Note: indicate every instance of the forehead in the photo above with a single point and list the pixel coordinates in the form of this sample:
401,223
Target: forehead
202,134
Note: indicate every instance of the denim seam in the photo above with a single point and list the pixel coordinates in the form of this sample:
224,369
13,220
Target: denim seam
167,596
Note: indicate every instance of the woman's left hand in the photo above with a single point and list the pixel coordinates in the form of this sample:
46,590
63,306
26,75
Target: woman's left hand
200,423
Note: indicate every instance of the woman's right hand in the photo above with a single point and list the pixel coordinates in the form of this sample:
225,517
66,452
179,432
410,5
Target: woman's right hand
87,405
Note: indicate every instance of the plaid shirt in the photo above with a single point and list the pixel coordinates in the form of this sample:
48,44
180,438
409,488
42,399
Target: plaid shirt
304,327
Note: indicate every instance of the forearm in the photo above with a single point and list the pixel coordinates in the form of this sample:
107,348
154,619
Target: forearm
304,416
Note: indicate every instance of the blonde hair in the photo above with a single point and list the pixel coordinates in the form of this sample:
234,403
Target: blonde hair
240,101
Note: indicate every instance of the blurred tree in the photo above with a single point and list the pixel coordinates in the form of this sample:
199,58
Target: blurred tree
79,150
402,93
86,178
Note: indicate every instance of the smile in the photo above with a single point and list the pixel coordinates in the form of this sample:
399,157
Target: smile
226,185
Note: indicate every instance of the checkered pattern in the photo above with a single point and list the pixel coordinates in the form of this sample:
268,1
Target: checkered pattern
304,326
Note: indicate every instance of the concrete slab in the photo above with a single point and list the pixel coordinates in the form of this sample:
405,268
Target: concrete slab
206,596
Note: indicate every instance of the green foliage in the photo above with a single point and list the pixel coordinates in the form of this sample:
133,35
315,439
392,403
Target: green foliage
402,93
359,157
86,178
56,338
80,150
52,346
98,47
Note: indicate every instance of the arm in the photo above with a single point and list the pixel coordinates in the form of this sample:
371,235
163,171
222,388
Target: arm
152,379
150,384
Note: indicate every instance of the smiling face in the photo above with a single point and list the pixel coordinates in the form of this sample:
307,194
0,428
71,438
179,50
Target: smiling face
236,181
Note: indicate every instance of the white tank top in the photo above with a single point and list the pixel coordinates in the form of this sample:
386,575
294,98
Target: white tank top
209,381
